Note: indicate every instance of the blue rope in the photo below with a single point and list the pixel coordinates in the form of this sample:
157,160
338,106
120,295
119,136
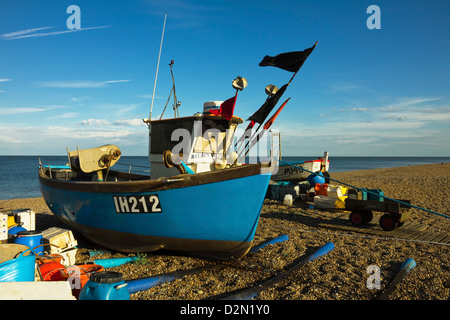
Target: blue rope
368,191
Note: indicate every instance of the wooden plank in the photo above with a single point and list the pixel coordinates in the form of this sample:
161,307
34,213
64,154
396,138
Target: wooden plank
441,237
400,232
427,236
415,227
421,227
404,234
418,235
408,234
407,225
435,237
445,240
414,235
415,230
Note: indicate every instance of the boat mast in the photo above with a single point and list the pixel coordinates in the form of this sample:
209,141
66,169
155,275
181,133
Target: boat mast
176,104
157,67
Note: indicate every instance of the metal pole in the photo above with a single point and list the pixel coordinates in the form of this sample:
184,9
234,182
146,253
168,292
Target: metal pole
157,67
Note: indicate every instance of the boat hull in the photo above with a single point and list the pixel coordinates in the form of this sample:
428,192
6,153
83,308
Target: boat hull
208,214
290,173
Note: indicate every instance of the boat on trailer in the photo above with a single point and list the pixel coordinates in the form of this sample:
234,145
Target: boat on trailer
296,174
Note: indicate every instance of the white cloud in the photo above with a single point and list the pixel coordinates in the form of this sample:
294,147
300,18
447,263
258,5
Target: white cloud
403,126
145,96
116,81
94,122
79,84
9,111
94,136
357,109
6,139
130,122
15,135
413,109
105,123
407,102
344,88
91,131
67,115
22,32
4,80
29,33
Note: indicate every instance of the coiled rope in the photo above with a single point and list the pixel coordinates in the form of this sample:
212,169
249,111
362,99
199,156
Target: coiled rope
368,191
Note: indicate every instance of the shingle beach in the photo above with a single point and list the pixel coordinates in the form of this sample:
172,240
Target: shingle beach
342,274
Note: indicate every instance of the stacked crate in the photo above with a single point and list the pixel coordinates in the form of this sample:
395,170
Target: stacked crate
61,241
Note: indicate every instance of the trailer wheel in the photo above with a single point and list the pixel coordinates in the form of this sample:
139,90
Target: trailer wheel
355,218
358,218
368,216
388,222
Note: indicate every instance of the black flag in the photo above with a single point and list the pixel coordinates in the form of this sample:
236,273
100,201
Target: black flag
290,61
262,113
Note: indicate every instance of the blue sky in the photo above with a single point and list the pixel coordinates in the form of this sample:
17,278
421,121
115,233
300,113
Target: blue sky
362,92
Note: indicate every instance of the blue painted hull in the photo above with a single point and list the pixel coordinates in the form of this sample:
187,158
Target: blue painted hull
217,217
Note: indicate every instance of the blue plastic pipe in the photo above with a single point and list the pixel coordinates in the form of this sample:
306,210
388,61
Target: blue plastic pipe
405,268
408,264
147,283
252,292
113,262
283,237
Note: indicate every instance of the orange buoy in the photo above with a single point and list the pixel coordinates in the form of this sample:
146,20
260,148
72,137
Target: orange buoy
49,258
50,271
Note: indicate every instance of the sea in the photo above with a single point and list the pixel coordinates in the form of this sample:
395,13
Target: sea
19,175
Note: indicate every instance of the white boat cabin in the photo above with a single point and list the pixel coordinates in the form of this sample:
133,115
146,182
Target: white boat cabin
203,142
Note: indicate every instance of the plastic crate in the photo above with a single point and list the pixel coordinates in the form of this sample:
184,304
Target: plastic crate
25,218
69,256
3,227
357,194
375,195
58,239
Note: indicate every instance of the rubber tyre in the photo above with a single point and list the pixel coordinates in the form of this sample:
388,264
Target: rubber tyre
388,222
368,216
356,218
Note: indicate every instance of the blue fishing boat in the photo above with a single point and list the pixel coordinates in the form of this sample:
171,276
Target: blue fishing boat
204,205
199,200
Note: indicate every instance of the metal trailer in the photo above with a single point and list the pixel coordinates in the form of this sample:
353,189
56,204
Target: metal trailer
396,213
